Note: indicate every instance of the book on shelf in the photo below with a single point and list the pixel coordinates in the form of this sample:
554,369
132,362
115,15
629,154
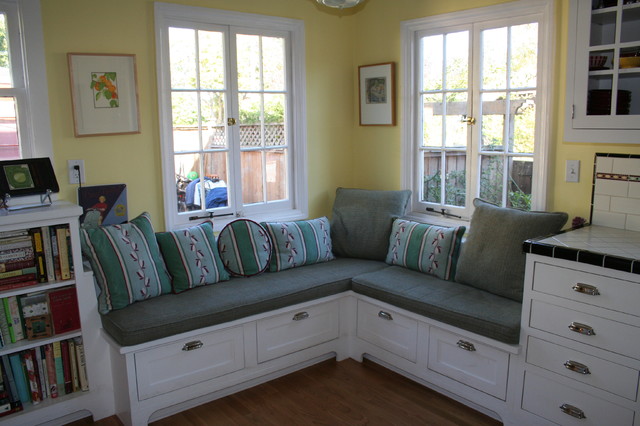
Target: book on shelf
14,321
63,305
31,367
48,253
4,326
18,264
57,358
42,372
66,367
38,251
63,235
73,361
82,364
19,242
22,385
36,315
51,371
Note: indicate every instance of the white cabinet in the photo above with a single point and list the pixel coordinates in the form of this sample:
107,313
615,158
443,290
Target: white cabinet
603,82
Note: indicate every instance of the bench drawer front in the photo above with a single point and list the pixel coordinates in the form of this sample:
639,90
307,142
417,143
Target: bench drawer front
297,330
476,365
189,361
545,398
388,330
597,372
593,289
609,335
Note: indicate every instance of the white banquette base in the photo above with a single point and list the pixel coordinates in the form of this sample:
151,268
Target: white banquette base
160,378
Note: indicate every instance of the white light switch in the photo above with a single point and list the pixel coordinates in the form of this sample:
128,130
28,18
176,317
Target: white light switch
573,171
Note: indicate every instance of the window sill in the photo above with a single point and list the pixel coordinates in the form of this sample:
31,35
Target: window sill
280,216
437,219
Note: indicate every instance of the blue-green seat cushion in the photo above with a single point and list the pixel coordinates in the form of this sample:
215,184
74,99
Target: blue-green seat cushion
231,300
426,248
456,304
244,247
126,262
361,221
492,258
299,243
191,256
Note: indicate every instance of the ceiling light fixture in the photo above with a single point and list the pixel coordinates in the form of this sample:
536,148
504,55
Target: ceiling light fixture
340,4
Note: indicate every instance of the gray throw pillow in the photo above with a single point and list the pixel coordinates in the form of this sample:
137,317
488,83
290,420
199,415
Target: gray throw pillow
492,258
362,219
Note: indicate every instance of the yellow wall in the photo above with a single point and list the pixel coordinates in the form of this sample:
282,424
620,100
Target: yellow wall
340,153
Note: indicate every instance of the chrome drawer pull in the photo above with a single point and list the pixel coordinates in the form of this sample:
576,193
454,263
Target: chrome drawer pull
467,346
190,346
573,411
385,315
587,330
577,367
586,289
301,316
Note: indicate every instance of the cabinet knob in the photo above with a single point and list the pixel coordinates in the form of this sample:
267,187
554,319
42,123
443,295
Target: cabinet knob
190,346
301,316
385,315
573,411
467,346
586,289
577,367
577,327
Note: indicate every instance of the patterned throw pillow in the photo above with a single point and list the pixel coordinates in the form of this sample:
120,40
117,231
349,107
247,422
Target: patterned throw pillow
426,248
191,256
299,243
126,263
244,247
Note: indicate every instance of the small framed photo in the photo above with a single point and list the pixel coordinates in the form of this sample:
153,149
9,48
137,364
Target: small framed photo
27,176
377,94
104,94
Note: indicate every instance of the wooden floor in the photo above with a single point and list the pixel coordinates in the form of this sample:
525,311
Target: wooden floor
329,393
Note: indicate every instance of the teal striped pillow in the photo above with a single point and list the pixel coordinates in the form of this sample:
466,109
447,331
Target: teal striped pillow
191,256
126,263
426,248
244,247
299,243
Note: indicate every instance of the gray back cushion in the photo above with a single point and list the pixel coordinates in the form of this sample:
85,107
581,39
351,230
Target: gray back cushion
492,258
361,221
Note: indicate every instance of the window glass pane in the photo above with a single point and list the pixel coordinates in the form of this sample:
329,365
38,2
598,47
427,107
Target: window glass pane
198,189
494,58
187,170
432,179
215,179
523,117
249,70
491,174
184,107
520,178
213,119
6,79
432,120
211,60
250,119
433,58
456,179
273,63
524,55
493,116
182,51
274,105
457,60
252,172
276,174
9,142
456,131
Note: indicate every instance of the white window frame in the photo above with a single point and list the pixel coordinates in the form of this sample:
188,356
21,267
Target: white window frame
166,13
542,12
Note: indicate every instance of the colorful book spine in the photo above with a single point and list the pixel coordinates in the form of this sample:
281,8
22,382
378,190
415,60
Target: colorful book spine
14,320
32,375
75,379
48,253
66,365
4,325
51,370
10,386
55,253
20,378
82,364
38,249
42,372
18,264
57,357
63,251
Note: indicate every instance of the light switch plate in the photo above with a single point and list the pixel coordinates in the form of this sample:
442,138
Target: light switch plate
573,171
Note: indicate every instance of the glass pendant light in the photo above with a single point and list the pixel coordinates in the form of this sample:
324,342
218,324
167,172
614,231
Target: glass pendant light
340,4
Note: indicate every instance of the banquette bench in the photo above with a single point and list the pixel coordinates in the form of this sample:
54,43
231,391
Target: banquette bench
396,291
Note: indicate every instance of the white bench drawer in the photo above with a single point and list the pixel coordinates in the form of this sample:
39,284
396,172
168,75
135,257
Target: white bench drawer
614,294
296,330
186,362
609,335
388,330
597,372
476,365
545,398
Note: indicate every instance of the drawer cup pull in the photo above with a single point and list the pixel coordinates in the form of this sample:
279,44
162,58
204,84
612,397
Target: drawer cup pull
586,289
301,316
573,411
577,367
587,330
190,346
467,346
385,315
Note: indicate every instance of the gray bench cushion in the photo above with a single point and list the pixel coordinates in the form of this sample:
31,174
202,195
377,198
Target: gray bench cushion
230,300
456,304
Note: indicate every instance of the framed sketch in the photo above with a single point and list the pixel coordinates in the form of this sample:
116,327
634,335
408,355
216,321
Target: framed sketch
104,94
27,176
377,94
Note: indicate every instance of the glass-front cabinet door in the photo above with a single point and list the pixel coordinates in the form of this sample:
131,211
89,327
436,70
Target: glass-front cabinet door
603,82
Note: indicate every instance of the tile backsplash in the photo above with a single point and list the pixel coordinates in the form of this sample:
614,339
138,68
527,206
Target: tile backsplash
616,191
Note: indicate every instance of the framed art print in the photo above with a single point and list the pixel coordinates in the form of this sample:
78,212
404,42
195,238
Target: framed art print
104,94
377,94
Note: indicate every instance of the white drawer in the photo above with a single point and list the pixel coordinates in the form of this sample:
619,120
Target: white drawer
609,335
600,373
388,330
189,361
480,366
614,294
296,330
544,398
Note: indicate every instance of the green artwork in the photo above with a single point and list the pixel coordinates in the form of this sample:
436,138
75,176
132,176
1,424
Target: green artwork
18,176
105,89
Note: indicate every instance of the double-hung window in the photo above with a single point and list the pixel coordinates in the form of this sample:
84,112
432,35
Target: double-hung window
476,102
231,91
